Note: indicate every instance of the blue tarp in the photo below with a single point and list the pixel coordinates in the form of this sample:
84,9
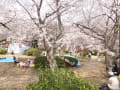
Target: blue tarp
78,63
7,59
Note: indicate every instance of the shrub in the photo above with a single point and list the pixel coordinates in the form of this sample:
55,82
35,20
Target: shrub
3,51
85,53
60,80
94,53
102,54
65,51
33,52
42,62
42,49
60,62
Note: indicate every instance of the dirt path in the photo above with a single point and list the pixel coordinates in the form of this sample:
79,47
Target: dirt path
12,77
91,70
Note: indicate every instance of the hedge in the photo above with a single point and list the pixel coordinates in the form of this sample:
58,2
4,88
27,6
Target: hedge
85,53
33,52
3,51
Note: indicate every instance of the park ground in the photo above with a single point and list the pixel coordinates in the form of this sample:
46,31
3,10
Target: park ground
12,77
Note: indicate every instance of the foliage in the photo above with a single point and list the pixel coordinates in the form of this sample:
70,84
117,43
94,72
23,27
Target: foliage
42,62
33,52
3,51
94,53
65,51
116,54
60,62
85,53
60,80
102,54
42,49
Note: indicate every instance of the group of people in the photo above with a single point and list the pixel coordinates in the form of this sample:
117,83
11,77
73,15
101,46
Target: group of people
113,81
27,64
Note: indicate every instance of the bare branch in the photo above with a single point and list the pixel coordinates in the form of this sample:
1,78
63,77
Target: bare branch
27,12
5,26
90,29
87,33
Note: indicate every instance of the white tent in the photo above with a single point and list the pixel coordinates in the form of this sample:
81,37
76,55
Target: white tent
17,48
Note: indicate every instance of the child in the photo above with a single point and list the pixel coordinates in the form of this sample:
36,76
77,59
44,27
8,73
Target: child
27,63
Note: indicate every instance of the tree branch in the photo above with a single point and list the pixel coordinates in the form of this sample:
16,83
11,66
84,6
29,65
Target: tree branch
83,31
27,12
5,26
90,29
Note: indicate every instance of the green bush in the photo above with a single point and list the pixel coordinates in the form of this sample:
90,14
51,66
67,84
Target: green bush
42,61
42,49
85,53
65,51
94,53
3,51
33,52
60,62
60,80
102,54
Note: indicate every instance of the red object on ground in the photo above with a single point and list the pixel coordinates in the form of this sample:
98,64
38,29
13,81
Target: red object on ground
22,66
18,65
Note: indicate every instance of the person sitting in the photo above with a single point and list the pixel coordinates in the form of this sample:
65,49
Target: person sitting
89,55
113,83
115,69
15,60
27,64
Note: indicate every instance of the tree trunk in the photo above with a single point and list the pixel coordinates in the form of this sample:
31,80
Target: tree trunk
51,58
119,51
50,55
108,58
106,61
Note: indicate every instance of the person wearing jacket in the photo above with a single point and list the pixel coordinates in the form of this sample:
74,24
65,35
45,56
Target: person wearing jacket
112,84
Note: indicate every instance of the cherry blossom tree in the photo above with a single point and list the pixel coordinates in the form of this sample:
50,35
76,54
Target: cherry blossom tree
103,26
43,18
